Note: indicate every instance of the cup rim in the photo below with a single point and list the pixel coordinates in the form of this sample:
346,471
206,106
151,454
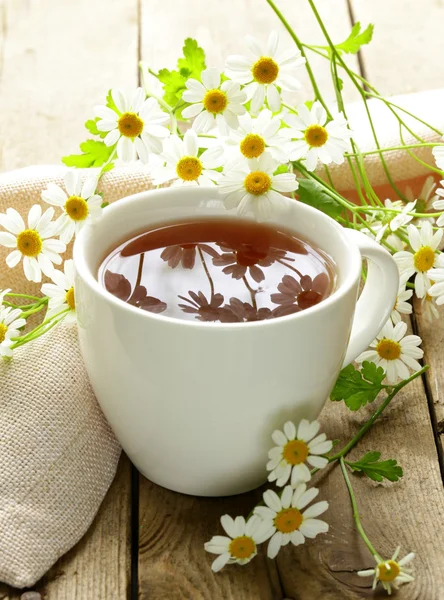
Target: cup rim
83,270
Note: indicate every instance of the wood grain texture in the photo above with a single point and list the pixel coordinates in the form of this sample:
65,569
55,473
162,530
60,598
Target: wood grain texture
220,28
407,44
56,62
432,334
172,562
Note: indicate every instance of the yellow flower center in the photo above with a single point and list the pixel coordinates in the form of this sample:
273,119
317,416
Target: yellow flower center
424,259
295,452
316,135
388,349
69,298
265,70
76,208
130,125
29,242
252,145
388,571
257,183
288,520
242,547
189,168
3,330
215,101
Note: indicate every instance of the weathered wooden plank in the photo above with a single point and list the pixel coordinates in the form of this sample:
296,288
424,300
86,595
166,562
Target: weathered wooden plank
172,560
220,28
432,334
56,62
405,55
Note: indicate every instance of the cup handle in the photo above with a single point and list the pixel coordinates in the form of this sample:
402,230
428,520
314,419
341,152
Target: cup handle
377,298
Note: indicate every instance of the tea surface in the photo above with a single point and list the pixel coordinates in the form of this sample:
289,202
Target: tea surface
227,271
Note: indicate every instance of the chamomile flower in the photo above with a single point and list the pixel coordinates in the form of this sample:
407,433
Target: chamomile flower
382,223
213,104
294,449
392,572
80,204
437,289
61,292
394,351
251,186
316,139
439,204
428,308
423,258
254,136
33,243
264,71
136,125
426,198
284,516
241,544
10,324
401,307
181,162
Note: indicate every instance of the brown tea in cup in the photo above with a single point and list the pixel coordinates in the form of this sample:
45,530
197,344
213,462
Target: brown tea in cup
218,270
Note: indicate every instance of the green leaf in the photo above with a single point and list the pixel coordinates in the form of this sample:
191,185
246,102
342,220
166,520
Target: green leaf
310,192
173,85
357,388
193,62
110,103
190,65
95,154
91,126
376,469
356,39
281,169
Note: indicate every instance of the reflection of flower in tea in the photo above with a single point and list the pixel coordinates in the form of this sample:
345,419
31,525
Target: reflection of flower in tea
185,254
119,286
237,261
304,293
140,299
199,305
240,312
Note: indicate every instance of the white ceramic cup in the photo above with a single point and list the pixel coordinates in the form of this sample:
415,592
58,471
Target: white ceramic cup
194,404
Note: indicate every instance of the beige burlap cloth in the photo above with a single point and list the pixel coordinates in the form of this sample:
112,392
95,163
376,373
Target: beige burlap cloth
58,455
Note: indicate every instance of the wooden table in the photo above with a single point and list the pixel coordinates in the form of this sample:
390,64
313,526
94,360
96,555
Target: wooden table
57,60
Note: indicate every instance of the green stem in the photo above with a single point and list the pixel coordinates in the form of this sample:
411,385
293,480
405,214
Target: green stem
367,425
40,329
300,46
356,513
37,308
36,298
